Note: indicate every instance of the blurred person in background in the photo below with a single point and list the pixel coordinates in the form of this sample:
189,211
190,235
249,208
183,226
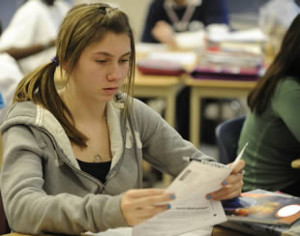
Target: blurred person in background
166,17
10,76
10,73
36,22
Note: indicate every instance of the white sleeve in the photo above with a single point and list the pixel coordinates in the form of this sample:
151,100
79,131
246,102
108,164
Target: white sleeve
10,75
20,31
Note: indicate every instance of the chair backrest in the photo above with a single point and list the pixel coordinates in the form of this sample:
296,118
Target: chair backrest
4,228
227,137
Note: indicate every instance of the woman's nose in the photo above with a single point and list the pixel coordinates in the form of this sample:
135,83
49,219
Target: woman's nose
115,72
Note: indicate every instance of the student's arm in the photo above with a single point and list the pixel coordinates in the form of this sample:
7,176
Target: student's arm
153,16
163,32
162,146
21,52
286,102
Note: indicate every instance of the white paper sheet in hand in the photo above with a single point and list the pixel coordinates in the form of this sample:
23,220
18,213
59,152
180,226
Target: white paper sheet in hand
191,210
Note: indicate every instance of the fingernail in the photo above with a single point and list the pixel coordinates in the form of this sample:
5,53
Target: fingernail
224,182
168,206
172,196
208,197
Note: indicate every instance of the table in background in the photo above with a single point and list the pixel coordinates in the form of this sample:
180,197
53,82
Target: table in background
159,86
212,88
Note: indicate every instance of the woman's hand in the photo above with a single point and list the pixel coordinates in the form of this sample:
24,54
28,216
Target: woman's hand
163,32
231,186
138,205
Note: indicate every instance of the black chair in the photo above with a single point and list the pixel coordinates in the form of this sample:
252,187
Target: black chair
4,228
227,137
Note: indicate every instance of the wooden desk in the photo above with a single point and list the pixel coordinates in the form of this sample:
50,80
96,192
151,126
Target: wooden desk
201,88
217,231
221,231
166,87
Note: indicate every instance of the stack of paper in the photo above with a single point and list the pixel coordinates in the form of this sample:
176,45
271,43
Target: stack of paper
167,63
232,55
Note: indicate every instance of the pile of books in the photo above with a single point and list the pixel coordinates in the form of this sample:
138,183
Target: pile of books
233,56
227,65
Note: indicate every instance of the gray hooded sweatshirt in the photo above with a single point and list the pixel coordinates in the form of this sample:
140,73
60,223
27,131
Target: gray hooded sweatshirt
42,186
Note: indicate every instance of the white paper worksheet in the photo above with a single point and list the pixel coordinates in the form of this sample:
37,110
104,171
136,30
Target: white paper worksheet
191,210
127,231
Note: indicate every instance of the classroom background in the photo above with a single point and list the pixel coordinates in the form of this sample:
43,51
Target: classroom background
243,14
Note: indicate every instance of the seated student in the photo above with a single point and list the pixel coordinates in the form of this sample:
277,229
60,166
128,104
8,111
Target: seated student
10,73
165,17
35,22
272,128
10,76
73,157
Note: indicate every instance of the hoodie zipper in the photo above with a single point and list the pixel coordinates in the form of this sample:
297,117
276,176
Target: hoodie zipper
66,160
62,156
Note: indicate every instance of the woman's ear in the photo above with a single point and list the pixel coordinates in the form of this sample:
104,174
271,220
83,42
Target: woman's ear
65,67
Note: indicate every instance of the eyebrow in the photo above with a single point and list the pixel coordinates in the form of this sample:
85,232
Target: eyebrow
110,55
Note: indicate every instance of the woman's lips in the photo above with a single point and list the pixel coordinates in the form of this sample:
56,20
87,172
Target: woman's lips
111,89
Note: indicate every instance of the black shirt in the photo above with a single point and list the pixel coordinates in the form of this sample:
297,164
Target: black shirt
210,11
99,170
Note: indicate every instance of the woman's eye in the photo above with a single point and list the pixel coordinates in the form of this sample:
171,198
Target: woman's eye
101,61
123,60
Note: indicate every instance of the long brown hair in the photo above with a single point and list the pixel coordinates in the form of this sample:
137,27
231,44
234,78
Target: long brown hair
83,25
286,63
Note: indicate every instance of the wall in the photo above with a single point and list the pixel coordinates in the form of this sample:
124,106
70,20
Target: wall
7,9
135,9
244,13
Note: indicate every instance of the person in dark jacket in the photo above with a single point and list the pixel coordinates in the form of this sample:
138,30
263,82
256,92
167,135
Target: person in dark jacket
170,16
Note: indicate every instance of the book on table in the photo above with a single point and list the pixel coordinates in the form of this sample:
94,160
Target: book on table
261,212
265,207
